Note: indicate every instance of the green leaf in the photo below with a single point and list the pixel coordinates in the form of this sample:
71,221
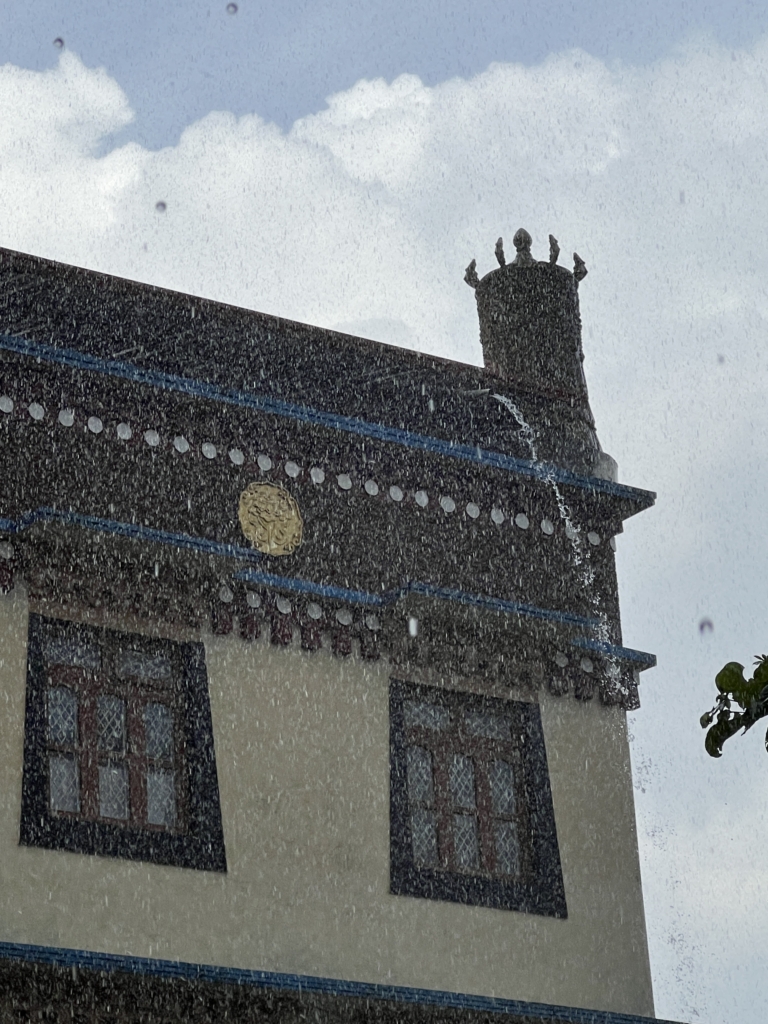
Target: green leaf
730,678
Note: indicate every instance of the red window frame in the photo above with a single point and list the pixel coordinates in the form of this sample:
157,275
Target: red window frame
88,684
483,750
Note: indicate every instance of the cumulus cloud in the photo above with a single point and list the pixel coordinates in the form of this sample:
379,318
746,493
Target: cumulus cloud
363,217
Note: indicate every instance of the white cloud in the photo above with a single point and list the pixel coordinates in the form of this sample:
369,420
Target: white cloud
364,216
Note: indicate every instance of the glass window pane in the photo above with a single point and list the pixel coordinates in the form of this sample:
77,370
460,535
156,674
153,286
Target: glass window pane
462,774
502,781
71,651
426,716
479,723
64,782
421,788
424,838
161,798
143,665
158,730
62,717
465,849
110,717
507,848
113,791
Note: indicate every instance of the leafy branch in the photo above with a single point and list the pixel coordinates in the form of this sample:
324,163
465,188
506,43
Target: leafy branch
751,695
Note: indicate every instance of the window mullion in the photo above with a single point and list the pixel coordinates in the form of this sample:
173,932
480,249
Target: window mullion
136,760
89,761
441,753
484,813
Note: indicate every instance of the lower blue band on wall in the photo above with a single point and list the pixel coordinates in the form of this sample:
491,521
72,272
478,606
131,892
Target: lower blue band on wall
109,962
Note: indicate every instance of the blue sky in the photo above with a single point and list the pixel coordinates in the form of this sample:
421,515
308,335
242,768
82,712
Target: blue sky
381,148
179,59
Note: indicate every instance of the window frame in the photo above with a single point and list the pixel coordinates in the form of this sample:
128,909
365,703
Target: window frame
196,840
538,888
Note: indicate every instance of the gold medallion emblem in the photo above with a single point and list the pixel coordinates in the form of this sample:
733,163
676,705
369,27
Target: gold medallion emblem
270,519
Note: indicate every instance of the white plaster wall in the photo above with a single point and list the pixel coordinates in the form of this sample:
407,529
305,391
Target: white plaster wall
302,751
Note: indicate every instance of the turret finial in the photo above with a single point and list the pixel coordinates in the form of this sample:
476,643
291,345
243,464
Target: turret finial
522,242
579,268
470,275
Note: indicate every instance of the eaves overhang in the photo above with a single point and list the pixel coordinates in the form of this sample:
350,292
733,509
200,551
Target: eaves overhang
628,500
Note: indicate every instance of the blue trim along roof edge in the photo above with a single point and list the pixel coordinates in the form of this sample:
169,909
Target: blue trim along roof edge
264,403
134,531
110,962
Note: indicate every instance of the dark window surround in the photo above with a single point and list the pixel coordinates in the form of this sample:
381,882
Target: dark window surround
201,843
540,888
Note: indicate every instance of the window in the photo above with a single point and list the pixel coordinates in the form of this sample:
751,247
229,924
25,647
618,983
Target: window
119,755
470,804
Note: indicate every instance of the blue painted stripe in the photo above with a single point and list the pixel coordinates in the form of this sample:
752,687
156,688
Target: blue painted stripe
306,414
296,584
626,653
132,530
109,962
387,597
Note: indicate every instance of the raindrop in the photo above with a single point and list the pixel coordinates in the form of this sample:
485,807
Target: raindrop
447,504
36,411
231,8
612,543
283,605
6,550
586,665
6,404
570,531
264,463
560,659
317,475
161,207
95,425
314,611
253,600
181,444
413,626
371,487
548,527
67,417
225,594
395,493
721,359
292,470
124,432
344,616
152,438
372,622
706,626
236,456
593,538
344,481
521,520
431,404
421,498
497,516
58,42
472,510
209,450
